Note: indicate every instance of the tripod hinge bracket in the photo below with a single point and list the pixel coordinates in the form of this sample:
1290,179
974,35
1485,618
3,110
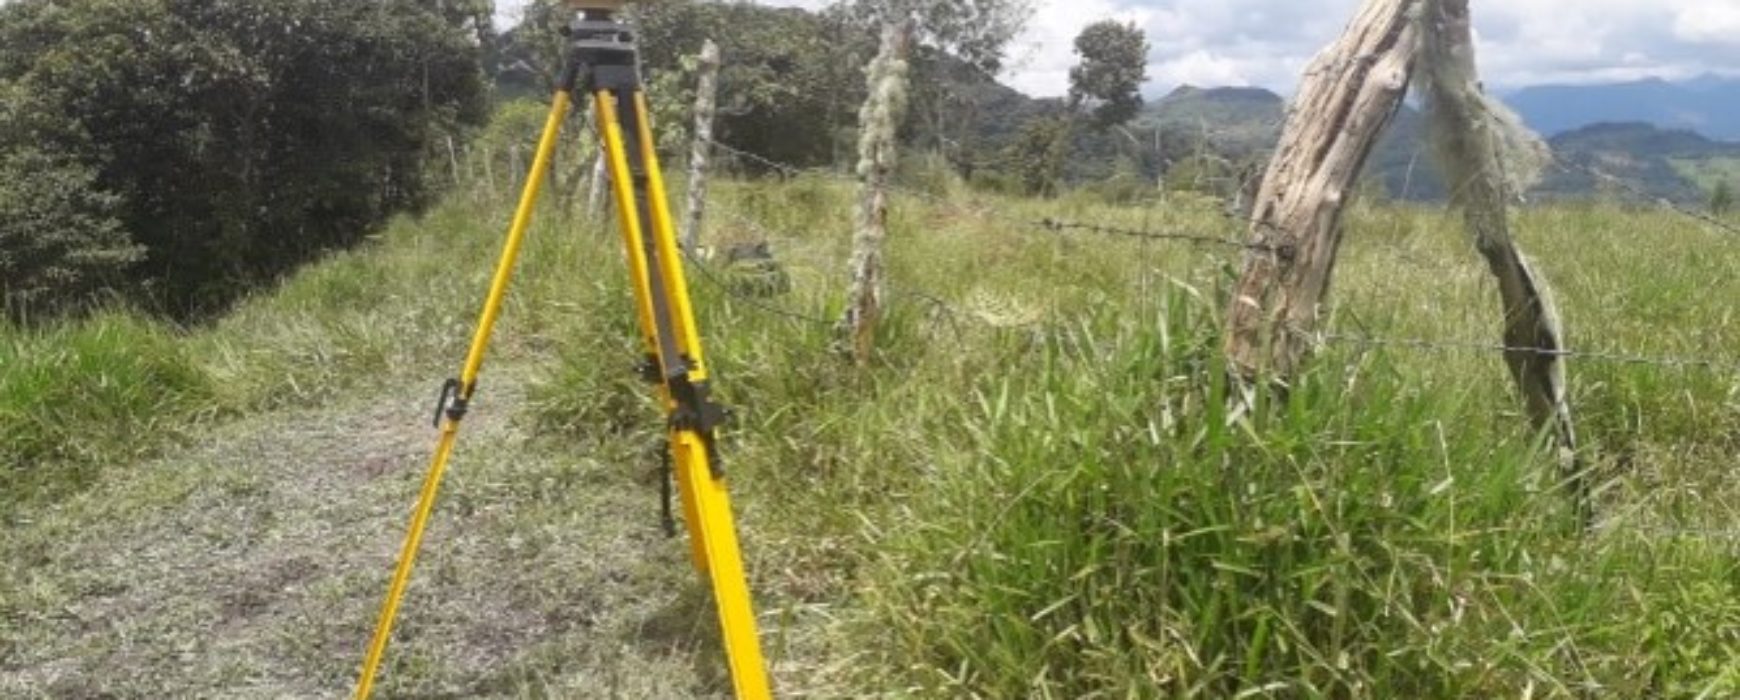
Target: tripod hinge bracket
696,412
453,402
648,370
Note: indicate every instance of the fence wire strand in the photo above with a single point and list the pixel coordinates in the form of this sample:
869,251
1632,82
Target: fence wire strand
1285,251
1619,358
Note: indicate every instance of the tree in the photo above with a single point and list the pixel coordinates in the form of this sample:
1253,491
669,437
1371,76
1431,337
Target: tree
1108,80
1722,198
527,61
959,42
238,138
1038,154
783,86
977,32
60,242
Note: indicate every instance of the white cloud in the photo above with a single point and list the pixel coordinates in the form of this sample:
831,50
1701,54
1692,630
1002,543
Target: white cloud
1268,42
1709,23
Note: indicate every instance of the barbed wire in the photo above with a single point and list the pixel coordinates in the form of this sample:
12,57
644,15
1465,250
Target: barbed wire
1285,251
1609,357
791,170
1732,536
713,279
771,164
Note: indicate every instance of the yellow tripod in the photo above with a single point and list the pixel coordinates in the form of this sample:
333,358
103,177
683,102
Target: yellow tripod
605,64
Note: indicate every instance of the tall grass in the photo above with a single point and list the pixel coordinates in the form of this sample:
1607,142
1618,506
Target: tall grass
1060,505
83,396
1038,488
77,396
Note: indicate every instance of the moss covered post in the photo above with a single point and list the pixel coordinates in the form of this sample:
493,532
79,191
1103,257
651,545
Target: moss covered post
878,120
706,101
1488,154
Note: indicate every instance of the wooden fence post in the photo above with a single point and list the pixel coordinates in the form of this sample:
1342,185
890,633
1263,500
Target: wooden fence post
1347,97
453,160
878,120
489,172
596,202
706,99
1487,156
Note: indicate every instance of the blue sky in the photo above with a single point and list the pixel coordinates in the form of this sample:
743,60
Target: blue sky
1267,42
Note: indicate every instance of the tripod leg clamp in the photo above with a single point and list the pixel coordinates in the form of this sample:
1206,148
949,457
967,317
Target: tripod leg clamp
696,412
453,403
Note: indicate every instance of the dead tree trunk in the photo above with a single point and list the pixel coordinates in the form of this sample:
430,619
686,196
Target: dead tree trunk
706,99
1349,94
1487,157
878,121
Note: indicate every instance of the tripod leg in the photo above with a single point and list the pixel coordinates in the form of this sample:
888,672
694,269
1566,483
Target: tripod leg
628,217
650,294
457,397
670,251
659,246
702,482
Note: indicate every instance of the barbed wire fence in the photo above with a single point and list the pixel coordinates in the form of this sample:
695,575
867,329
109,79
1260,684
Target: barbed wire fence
1322,337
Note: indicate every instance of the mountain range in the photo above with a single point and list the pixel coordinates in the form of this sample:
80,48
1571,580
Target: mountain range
1708,105
1654,138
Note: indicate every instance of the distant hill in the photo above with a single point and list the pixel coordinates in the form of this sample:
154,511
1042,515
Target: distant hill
1241,125
1244,122
1709,105
1237,120
1675,164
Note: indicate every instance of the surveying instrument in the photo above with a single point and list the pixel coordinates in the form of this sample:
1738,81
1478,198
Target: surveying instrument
604,62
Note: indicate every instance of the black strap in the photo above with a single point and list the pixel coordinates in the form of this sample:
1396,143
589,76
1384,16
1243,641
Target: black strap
667,479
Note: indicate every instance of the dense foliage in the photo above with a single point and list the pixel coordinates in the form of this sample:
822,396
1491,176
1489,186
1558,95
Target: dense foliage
188,149
1114,65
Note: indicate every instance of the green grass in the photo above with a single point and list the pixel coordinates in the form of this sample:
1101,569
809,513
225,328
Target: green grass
1707,172
1058,505
82,396
1036,490
73,397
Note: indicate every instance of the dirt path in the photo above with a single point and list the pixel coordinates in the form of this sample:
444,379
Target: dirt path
251,565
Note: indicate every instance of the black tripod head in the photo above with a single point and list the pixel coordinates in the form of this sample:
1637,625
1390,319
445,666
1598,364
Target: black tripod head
603,53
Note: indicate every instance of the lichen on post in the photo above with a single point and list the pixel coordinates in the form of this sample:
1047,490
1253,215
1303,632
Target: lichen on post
879,119
1488,157
706,101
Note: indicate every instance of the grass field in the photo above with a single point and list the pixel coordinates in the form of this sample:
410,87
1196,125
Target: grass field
1036,490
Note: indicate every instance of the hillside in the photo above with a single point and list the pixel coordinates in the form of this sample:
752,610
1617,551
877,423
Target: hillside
1236,121
1676,165
1650,161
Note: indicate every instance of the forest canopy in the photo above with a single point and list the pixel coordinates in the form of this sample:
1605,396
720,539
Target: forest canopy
178,152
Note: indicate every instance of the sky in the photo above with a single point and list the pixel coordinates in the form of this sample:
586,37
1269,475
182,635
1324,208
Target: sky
1266,43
